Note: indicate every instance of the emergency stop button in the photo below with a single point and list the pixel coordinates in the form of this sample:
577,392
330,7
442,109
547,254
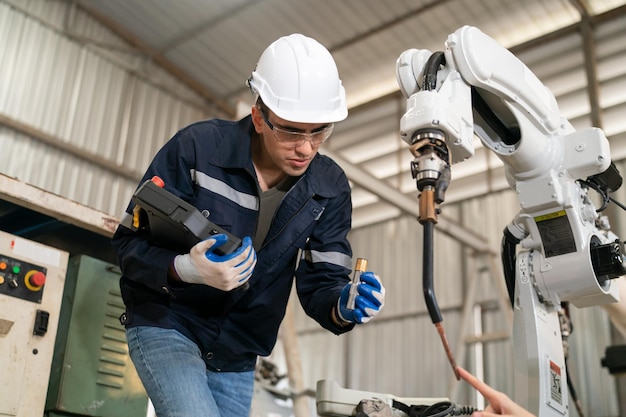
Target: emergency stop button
34,280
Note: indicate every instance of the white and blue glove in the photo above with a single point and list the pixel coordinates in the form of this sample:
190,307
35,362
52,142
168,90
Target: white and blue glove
369,301
225,272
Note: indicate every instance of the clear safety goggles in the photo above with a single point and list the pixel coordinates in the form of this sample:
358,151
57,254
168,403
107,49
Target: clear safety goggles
294,138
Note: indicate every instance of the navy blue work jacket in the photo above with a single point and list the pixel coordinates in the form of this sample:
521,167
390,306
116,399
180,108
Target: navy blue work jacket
209,165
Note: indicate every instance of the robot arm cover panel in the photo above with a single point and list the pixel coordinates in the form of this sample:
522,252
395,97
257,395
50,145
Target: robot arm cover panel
486,64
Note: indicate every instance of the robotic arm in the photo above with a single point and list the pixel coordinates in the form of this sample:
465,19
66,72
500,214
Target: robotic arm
567,251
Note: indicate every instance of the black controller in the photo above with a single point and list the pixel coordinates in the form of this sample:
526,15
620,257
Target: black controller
176,223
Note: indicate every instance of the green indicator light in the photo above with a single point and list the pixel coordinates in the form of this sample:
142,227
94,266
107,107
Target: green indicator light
16,269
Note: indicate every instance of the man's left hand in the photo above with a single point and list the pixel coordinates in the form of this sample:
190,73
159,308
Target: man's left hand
368,303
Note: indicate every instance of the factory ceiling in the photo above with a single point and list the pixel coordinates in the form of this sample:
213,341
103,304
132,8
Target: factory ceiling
213,45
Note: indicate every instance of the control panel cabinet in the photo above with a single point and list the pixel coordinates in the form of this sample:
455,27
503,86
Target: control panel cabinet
92,374
32,278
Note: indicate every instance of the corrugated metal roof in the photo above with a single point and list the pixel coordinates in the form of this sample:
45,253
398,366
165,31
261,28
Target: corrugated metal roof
115,100
217,42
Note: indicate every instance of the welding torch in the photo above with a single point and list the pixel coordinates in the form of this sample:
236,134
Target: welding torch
360,267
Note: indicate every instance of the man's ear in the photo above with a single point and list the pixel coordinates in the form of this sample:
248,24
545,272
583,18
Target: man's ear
257,119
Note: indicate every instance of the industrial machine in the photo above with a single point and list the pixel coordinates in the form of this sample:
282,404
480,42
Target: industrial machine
91,373
559,248
62,349
332,400
32,277
567,253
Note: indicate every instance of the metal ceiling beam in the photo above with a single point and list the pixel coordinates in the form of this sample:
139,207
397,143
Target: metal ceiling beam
591,70
161,60
407,205
69,148
203,27
591,63
387,25
568,30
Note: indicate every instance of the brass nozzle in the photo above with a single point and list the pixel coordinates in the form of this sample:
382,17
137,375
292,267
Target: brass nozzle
361,265
427,206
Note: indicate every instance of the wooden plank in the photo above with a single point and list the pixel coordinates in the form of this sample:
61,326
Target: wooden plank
58,207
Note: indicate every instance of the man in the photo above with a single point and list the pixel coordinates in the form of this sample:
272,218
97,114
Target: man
194,329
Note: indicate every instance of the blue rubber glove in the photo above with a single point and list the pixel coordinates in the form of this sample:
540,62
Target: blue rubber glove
369,301
225,272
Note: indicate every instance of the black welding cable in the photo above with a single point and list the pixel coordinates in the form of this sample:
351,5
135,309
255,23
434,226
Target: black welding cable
509,259
508,135
574,396
428,271
431,68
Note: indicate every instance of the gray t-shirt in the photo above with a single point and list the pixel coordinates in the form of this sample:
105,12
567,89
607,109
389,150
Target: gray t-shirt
268,203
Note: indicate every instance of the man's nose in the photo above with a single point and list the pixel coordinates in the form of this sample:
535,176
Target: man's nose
307,144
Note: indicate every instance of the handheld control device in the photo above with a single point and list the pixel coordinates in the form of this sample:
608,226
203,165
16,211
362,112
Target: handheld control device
174,222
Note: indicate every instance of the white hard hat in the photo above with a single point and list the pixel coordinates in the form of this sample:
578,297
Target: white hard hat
297,78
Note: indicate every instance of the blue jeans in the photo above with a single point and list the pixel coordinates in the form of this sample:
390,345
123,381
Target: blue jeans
177,381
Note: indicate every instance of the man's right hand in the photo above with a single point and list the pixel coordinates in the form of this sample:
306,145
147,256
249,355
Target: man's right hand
203,266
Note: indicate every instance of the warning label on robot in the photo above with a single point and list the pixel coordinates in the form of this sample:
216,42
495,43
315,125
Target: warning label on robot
556,392
556,233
